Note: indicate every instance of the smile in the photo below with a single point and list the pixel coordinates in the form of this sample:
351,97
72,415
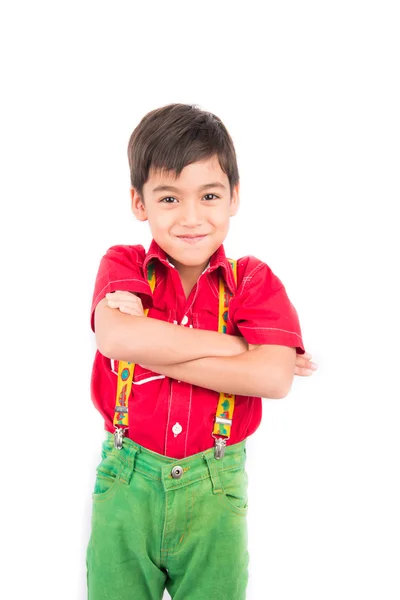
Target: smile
192,240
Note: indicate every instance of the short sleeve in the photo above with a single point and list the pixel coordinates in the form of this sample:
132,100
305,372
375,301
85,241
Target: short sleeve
262,311
121,268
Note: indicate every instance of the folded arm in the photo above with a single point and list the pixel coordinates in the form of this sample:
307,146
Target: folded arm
146,340
209,359
264,370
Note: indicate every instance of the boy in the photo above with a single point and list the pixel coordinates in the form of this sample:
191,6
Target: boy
170,496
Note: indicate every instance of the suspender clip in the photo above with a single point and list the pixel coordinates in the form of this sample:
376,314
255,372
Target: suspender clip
119,437
219,450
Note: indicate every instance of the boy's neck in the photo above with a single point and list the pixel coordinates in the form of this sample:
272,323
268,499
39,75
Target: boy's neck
188,275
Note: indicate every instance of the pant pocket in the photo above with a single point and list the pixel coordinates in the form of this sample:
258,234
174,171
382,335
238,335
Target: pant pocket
234,483
107,472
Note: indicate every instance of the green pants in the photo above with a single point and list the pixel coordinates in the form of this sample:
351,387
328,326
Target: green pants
159,522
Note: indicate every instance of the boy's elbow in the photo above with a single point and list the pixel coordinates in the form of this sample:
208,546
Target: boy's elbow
282,393
279,373
104,345
285,385
281,388
105,350
275,394
284,372
102,327
111,330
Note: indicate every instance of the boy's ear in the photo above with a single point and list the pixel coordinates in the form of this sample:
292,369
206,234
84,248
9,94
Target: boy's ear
235,200
138,207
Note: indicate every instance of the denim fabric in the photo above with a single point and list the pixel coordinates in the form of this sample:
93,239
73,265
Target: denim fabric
151,532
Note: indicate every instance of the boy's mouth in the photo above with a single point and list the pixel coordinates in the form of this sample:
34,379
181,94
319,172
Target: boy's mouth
191,239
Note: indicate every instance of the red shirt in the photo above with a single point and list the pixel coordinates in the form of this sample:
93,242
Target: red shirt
176,418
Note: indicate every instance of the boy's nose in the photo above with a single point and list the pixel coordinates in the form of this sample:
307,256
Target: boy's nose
190,215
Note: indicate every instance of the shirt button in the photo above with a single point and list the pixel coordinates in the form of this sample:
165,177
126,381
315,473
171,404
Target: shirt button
177,472
184,320
177,428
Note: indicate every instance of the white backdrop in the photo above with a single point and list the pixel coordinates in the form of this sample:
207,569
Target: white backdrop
310,94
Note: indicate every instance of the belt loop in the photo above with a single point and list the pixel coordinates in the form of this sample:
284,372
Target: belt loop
212,467
128,459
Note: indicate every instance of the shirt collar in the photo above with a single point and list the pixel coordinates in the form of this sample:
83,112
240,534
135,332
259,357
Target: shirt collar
218,259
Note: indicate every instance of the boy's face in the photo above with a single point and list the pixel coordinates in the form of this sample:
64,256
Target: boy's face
191,208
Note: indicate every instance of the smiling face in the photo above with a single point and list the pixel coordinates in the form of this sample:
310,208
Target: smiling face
197,203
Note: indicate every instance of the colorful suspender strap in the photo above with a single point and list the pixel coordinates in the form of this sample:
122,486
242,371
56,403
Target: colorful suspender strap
226,403
124,382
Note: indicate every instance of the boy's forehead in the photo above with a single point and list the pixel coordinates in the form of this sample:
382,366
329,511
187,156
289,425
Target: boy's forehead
194,174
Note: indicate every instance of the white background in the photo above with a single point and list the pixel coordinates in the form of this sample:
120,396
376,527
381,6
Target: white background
310,94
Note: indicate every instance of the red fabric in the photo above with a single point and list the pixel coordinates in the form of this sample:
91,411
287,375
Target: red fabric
260,311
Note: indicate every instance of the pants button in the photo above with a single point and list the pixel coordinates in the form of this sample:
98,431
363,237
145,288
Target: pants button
177,472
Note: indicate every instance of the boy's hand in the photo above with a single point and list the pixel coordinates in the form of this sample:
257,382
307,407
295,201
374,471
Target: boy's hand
303,365
127,302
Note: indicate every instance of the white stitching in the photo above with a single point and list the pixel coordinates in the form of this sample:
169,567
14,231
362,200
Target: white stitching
235,296
159,282
195,293
151,256
250,276
212,286
272,328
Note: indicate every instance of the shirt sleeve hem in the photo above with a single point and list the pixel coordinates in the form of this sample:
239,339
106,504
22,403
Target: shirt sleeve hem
281,338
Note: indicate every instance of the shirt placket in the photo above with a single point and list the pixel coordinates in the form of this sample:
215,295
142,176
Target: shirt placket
178,422
179,411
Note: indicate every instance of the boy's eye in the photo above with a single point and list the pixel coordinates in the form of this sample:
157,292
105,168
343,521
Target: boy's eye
173,198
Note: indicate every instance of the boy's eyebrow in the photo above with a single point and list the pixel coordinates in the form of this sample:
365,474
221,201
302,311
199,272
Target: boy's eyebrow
171,188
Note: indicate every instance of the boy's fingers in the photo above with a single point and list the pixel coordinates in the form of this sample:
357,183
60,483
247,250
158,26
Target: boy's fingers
302,372
122,301
129,310
124,309
300,360
304,363
125,297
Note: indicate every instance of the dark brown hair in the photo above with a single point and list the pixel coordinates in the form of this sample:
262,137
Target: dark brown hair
175,135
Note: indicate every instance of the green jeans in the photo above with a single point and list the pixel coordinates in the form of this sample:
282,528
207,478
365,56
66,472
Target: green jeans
163,523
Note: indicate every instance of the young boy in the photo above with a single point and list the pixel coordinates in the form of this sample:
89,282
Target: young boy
188,343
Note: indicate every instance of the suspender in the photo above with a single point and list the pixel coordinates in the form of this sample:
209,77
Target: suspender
226,402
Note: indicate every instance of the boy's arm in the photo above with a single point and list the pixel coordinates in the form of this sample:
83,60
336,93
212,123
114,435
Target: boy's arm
146,340
265,370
